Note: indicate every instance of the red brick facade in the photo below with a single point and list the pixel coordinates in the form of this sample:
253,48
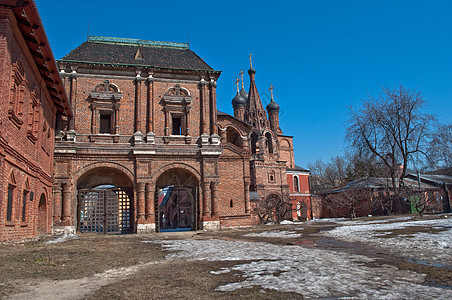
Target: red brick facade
300,196
31,96
136,145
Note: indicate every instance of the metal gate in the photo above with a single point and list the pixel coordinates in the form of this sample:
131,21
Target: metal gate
105,209
176,208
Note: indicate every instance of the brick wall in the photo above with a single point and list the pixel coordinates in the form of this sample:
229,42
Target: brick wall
25,161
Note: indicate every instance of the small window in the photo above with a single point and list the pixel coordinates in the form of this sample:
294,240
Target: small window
177,126
105,123
24,205
254,148
269,142
9,204
231,204
295,184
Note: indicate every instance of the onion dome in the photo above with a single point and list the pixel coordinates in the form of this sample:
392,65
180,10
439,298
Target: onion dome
251,71
272,106
238,100
243,93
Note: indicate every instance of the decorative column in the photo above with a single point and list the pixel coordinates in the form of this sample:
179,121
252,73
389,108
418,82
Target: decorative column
116,118
93,119
137,82
150,104
72,97
204,106
140,202
213,107
57,202
149,199
206,199
187,120
66,202
167,122
214,190
247,195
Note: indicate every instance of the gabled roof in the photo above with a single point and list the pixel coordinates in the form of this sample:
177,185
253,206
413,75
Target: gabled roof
226,115
133,52
298,168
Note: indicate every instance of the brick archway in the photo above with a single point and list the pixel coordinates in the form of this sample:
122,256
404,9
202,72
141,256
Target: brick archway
176,200
105,202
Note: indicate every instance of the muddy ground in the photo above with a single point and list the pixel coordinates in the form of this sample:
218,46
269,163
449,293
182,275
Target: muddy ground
124,267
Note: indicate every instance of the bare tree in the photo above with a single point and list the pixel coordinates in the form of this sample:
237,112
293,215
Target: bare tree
273,209
393,128
350,201
328,176
440,148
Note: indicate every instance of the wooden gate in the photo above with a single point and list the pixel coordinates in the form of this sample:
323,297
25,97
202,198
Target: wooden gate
105,210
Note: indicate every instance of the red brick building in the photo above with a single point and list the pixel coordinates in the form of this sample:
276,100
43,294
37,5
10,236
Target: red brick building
147,149
300,196
31,97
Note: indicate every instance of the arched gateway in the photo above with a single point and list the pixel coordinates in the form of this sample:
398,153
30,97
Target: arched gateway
176,201
105,202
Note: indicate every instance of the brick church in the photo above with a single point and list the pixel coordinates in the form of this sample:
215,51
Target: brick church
139,145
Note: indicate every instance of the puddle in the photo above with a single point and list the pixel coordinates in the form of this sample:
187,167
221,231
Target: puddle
426,263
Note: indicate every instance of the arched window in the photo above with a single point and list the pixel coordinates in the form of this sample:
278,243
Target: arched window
232,136
17,94
254,148
269,143
295,184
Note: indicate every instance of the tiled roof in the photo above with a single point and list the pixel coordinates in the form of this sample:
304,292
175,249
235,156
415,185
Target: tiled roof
136,52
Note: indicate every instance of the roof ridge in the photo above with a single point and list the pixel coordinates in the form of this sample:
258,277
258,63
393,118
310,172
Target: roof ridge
136,42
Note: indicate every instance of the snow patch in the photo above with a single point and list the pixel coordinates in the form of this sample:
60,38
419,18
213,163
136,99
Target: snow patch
63,238
421,246
275,234
313,273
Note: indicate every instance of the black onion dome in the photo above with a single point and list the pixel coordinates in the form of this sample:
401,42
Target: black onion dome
243,93
251,71
272,106
238,100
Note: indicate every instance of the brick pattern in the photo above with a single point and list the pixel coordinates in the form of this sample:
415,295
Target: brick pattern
26,162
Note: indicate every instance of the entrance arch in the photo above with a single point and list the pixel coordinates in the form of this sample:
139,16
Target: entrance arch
176,201
42,214
105,202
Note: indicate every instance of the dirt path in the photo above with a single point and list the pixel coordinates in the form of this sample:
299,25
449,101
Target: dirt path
267,262
77,288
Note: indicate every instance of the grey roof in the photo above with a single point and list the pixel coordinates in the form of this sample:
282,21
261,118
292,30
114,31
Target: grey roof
254,195
378,183
105,50
437,180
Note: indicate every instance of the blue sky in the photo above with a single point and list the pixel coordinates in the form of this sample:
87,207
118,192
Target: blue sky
321,56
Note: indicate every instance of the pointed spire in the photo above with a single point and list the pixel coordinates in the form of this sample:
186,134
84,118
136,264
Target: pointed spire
255,113
251,70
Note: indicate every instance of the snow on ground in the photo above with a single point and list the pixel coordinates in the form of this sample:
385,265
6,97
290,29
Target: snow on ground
313,273
62,238
275,234
431,247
